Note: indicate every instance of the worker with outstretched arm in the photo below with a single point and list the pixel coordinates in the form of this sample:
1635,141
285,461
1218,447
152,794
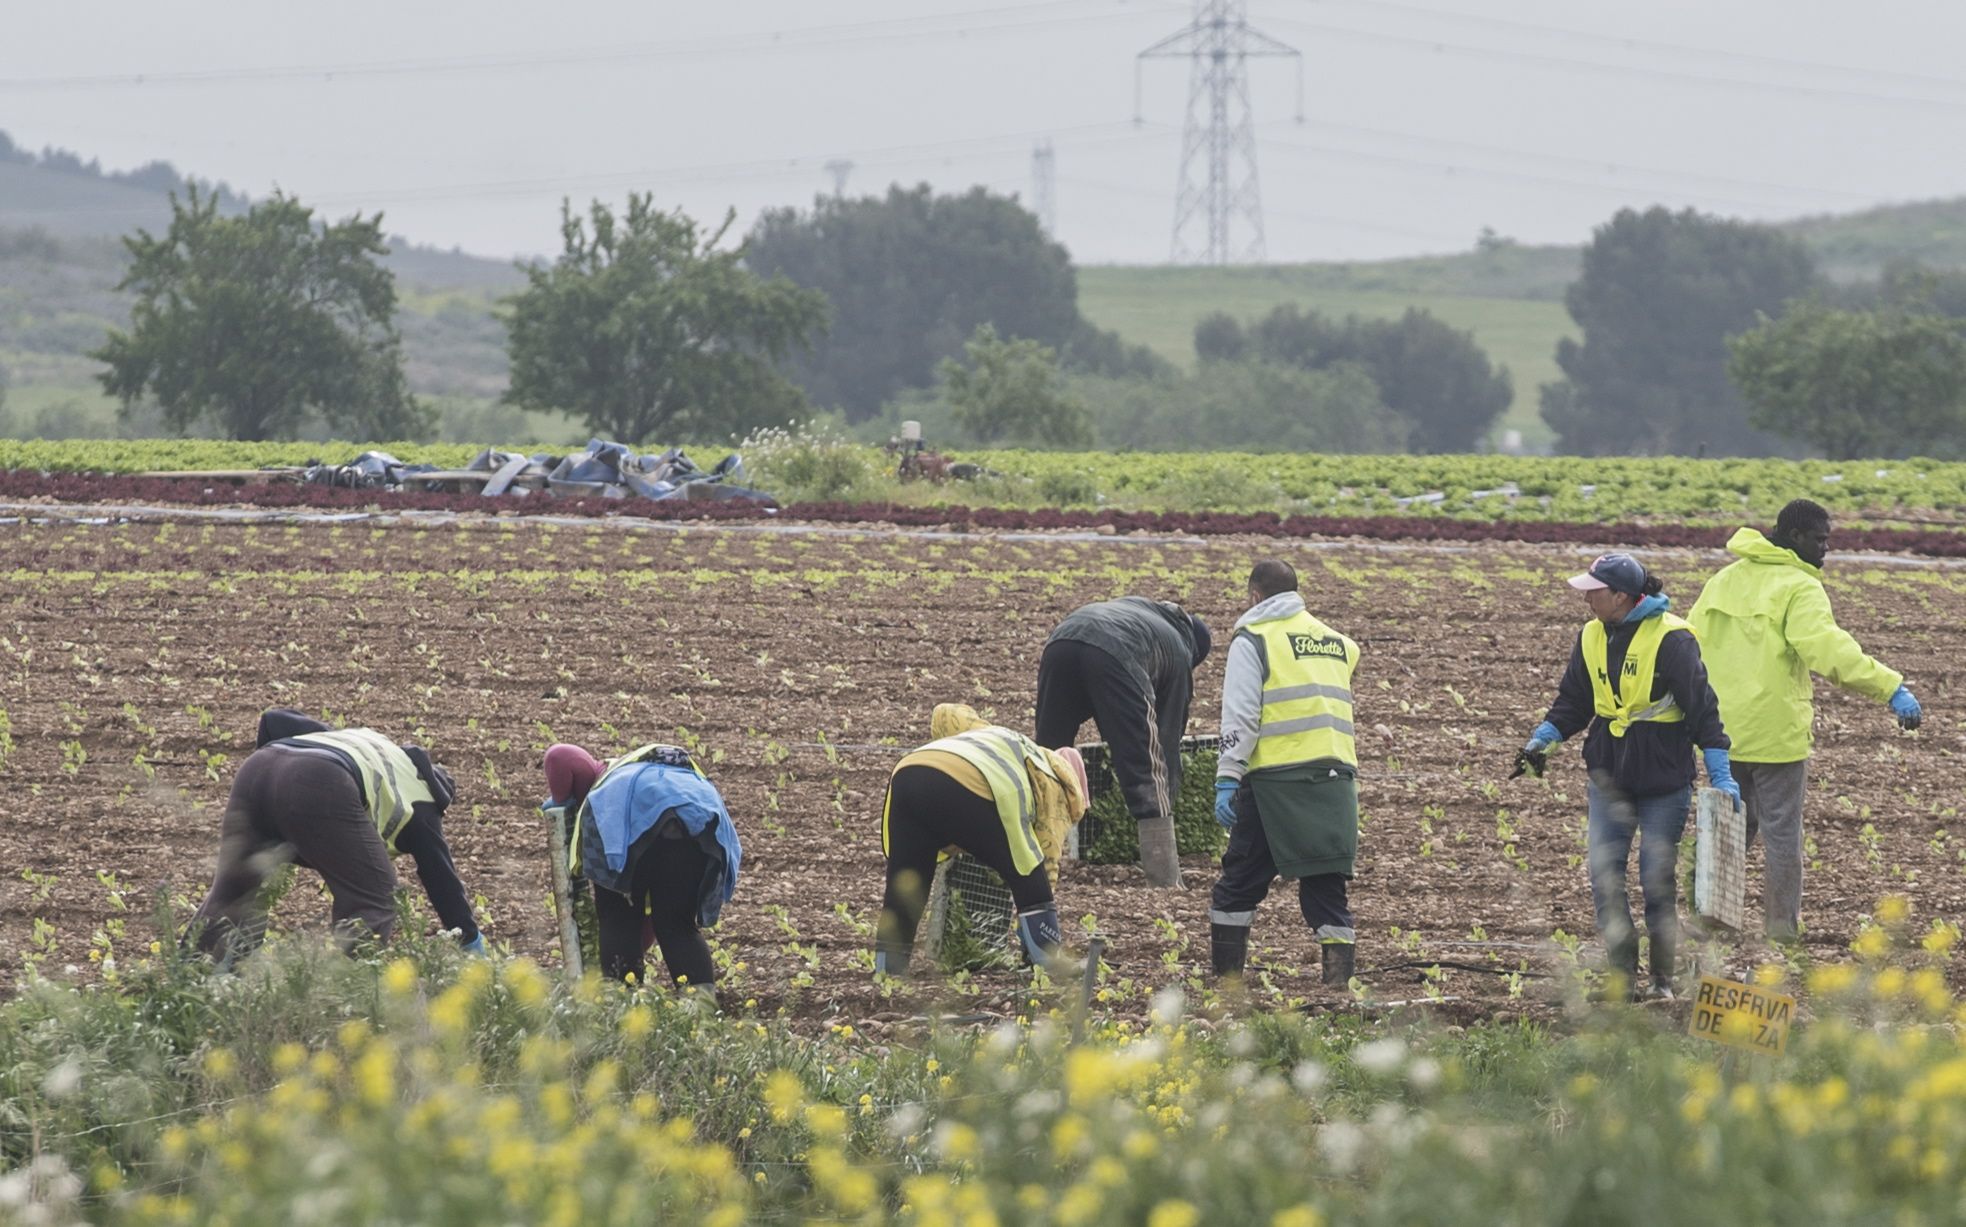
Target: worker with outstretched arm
1637,682
343,802
1128,665
988,791
1765,625
652,834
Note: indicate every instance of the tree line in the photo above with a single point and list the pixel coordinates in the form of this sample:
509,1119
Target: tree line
1697,335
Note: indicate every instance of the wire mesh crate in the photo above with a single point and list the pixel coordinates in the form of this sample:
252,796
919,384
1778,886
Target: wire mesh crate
1099,774
971,921
1720,863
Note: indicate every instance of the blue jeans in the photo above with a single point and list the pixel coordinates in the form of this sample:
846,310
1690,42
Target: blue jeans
1657,820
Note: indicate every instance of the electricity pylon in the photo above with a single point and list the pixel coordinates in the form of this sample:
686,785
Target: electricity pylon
1218,186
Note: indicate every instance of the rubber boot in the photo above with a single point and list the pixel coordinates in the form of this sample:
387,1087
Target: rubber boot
892,960
1228,948
1340,961
1038,929
1158,855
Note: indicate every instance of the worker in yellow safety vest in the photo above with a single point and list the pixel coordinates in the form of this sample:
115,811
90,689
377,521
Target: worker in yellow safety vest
343,802
989,791
1636,680
1286,779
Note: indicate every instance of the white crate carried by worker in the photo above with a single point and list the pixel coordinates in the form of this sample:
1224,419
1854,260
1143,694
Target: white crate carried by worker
1720,866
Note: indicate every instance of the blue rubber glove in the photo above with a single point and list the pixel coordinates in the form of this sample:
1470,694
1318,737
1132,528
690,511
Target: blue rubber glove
1545,736
1720,774
1909,712
1225,801
476,946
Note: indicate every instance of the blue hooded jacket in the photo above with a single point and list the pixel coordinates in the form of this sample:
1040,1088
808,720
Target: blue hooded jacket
632,799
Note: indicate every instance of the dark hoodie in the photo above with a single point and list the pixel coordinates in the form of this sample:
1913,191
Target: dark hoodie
422,837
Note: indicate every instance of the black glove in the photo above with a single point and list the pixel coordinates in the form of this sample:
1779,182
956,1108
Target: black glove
1531,762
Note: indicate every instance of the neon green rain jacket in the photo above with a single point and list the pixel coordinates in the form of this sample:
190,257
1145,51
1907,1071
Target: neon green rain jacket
1765,625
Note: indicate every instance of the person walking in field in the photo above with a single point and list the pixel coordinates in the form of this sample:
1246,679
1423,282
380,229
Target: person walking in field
988,791
1765,625
652,834
1128,665
343,802
1637,681
1286,779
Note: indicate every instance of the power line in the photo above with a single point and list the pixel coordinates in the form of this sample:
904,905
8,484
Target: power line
1623,191
1542,59
1630,43
1326,219
1039,15
798,166
1605,165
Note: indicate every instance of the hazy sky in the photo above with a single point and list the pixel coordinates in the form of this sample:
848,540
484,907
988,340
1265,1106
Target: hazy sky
1425,120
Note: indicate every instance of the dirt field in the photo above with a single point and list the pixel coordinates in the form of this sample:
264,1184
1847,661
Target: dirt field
138,656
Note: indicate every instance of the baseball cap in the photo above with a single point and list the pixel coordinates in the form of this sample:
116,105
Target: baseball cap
1618,572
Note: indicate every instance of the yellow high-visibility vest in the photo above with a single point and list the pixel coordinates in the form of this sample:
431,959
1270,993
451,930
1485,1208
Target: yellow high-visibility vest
1631,701
1307,694
390,783
1001,755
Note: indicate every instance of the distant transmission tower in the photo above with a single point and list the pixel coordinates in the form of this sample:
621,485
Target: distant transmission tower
1044,186
839,168
1218,188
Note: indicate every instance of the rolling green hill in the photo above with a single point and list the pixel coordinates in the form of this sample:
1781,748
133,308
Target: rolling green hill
60,261
1158,307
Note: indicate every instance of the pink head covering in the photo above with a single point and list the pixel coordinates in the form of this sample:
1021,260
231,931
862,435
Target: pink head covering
570,773
1077,764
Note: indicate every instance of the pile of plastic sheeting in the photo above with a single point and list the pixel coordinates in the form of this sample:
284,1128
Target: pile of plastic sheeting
601,470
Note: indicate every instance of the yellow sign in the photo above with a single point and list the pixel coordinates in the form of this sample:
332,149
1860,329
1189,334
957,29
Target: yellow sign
1742,1016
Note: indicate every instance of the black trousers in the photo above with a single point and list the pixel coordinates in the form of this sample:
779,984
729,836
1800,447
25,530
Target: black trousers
288,805
1249,869
1079,682
927,812
664,885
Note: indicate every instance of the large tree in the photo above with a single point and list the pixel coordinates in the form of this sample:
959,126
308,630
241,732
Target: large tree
1010,391
1436,377
911,275
1659,295
260,321
1856,383
644,326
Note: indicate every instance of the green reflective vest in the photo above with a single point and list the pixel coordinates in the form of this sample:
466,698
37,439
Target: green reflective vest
1631,699
389,780
1307,693
1001,755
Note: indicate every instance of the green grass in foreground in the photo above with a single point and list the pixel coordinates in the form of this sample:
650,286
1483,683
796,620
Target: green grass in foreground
431,1088
1159,307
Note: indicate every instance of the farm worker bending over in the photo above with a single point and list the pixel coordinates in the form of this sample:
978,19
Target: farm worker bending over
1765,625
1636,678
654,838
1129,665
1286,781
992,793
342,802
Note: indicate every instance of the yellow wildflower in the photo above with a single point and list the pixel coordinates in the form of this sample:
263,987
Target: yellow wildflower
399,977
1173,1213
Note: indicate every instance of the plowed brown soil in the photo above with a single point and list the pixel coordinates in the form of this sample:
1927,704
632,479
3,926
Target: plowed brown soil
803,664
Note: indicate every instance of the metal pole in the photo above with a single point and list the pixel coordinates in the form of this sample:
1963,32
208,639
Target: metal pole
563,894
